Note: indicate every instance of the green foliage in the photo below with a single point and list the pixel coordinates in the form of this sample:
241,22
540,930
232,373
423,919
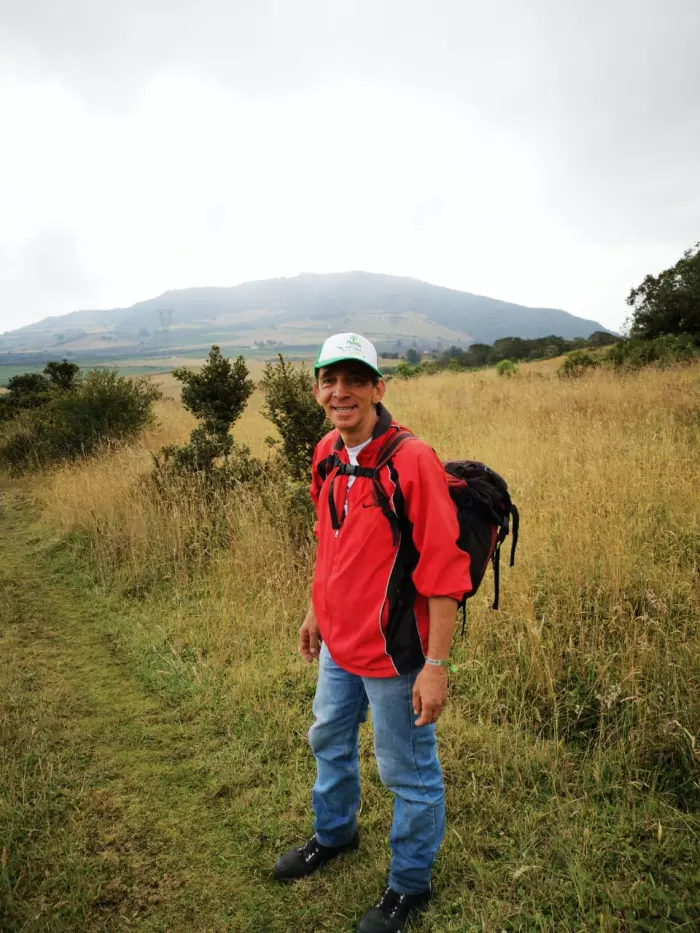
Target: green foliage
518,349
412,356
62,375
601,338
668,303
28,390
34,390
290,405
506,368
477,355
102,407
405,371
217,395
578,363
220,391
428,368
216,458
660,351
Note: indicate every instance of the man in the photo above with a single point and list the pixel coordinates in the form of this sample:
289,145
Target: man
381,621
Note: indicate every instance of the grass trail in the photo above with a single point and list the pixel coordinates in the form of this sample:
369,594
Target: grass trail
108,817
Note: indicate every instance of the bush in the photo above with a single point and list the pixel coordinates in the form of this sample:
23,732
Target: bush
220,391
34,390
26,390
577,363
62,375
217,395
100,408
661,351
506,368
405,371
290,405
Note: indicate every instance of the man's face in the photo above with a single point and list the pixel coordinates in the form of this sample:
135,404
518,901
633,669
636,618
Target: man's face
348,395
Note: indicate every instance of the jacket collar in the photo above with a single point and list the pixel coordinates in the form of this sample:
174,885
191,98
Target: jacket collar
384,421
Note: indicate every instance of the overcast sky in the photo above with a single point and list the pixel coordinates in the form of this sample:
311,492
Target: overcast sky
539,151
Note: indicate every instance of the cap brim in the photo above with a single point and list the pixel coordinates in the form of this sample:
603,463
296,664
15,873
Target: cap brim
338,359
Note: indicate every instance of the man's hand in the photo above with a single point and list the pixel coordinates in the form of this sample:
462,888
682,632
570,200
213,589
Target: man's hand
429,694
309,637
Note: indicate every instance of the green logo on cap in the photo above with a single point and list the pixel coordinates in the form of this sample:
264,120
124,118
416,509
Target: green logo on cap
352,343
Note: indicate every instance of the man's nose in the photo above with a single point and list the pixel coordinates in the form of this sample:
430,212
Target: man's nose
341,388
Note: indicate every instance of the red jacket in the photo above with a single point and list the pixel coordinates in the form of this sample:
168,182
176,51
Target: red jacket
371,595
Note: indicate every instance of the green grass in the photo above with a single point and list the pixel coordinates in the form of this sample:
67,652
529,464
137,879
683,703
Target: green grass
7,371
138,793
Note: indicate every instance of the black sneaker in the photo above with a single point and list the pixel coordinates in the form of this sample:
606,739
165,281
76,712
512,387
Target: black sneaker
391,911
298,863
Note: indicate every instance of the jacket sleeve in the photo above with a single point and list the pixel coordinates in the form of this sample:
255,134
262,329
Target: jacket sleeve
442,568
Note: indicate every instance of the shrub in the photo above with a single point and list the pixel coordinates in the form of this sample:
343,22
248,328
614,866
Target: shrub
34,390
405,371
100,408
27,390
220,391
577,363
506,368
61,375
217,395
290,405
662,351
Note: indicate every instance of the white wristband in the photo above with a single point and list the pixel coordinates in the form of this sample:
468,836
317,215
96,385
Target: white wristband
438,663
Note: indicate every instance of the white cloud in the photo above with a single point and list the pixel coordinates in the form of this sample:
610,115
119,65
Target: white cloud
527,152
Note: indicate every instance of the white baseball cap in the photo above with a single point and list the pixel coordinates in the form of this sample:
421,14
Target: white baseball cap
348,347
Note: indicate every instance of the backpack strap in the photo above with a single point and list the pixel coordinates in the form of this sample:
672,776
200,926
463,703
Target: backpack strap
325,466
395,440
516,526
496,561
389,448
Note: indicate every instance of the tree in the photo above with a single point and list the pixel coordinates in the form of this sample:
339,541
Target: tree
290,405
601,338
217,395
668,303
28,390
61,375
412,356
220,391
477,354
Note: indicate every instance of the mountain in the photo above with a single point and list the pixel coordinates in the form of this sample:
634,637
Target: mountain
299,311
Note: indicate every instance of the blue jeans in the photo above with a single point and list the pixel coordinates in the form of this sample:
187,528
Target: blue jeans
407,761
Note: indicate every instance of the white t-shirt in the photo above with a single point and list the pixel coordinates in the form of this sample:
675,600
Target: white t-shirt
352,456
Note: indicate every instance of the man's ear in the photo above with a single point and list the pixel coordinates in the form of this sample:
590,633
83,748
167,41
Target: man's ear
316,392
379,391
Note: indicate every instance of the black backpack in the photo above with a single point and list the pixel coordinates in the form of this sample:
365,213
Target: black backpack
484,507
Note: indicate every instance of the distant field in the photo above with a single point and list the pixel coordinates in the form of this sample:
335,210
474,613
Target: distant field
155,366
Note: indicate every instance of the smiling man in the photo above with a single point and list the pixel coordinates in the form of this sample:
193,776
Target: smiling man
387,580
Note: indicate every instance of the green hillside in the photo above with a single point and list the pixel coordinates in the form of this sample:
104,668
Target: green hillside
293,312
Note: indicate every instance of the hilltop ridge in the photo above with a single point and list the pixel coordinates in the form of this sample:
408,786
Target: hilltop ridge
298,311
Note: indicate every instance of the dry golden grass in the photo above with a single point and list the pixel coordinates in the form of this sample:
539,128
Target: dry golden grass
571,732
604,470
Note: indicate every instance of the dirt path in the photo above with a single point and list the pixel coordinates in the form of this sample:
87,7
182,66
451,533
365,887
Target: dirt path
107,819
